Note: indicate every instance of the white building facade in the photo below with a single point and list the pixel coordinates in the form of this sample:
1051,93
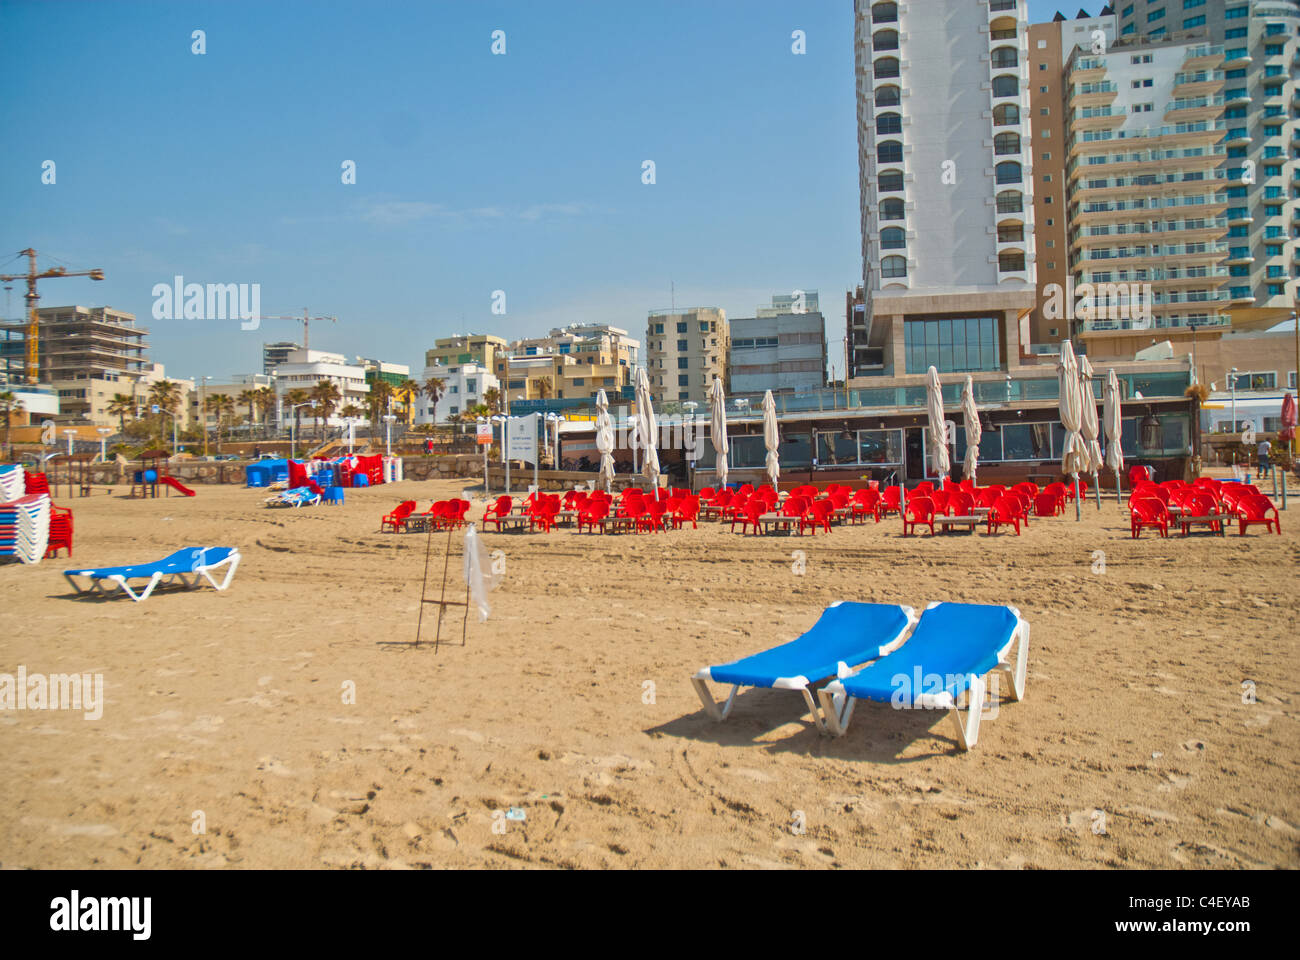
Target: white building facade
305,368
466,385
946,181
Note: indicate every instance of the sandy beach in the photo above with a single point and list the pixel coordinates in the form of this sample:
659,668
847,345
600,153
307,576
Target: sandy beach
1133,747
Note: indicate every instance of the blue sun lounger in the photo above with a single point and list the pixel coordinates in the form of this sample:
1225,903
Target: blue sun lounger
199,562
954,647
846,635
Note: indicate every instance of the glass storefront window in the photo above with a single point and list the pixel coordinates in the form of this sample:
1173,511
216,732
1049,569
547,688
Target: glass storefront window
951,344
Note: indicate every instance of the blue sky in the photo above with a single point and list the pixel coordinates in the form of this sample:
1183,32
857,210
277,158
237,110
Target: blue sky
475,172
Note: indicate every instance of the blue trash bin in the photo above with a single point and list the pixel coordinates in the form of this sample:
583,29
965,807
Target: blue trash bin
360,480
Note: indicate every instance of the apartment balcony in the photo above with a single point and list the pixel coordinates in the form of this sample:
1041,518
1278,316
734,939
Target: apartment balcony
1239,217
1207,56
1210,230
1178,253
1214,278
1245,298
1087,69
1095,118
1193,109
1237,137
1241,256
1092,95
1196,84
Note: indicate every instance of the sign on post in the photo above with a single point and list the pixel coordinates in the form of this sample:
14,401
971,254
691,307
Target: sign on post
485,434
521,438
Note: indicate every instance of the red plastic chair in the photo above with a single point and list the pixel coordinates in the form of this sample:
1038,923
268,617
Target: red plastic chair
1138,474
688,509
454,516
865,504
60,536
941,501
889,501
593,513
818,514
988,497
498,509
1255,508
1148,512
919,510
754,508
1007,509
1048,505
1199,506
397,519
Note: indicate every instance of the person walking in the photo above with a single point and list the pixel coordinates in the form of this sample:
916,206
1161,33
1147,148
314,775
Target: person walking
1265,448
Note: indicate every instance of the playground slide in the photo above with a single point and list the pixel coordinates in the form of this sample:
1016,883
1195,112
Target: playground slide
176,485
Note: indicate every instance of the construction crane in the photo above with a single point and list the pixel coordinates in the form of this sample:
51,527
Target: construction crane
305,320
31,276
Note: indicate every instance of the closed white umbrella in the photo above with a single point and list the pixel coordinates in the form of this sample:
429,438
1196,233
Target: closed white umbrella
1111,420
1088,427
1074,454
605,440
771,438
647,430
971,416
718,430
938,429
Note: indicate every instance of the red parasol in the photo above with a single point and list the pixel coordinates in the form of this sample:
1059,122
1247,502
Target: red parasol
1288,419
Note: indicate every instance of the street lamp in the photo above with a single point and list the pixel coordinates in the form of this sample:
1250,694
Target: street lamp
1191,325
389,420
1232,385
293,426
203,412
69,434
104,433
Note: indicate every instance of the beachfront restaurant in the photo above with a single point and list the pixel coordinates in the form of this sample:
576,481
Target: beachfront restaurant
881,433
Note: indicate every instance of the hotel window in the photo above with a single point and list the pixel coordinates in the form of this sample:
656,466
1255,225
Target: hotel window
884,40
890,181
885,67
890,151
681,328
1005,58
1194,22
1005,114
889,96
884,13
1005,143
891,209
1191,4
1127,11
1007,86
889,123
683,379
893,267
1010,201
681,345
893,238
1152,16
1011,262
1008,172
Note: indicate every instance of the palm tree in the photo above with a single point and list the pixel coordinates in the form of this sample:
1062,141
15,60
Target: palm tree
327,397
295,399
9,405
249,399
408,390
266,403
381,396
224,407
119,407
166,394
493,397
543,385
433,388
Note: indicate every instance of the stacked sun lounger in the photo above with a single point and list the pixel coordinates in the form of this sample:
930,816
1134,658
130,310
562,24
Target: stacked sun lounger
25,527
13,483
24,517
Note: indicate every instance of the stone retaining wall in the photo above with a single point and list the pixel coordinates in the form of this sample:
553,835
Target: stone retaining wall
191,472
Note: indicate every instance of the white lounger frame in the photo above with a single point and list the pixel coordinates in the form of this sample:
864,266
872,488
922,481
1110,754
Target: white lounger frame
101,584
838,712
800,683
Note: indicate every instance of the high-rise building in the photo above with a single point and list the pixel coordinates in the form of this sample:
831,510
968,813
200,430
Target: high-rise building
946,176
1050,45
1261,55
1146,193
686,348
782,348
